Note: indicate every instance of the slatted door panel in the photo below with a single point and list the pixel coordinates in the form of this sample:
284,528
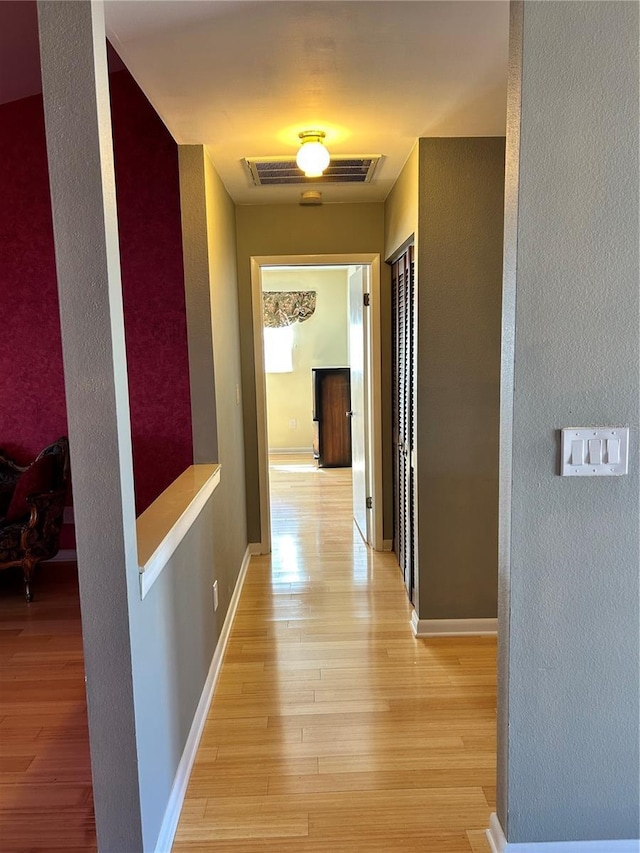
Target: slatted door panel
403,412
412,521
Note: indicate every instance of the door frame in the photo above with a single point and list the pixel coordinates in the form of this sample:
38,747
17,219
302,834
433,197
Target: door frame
374,380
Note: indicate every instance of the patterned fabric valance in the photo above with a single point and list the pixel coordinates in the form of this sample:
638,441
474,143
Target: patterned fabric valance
283,308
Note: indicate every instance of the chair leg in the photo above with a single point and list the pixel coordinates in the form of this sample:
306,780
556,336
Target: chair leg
27,571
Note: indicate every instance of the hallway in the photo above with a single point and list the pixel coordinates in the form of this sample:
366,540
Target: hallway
332,728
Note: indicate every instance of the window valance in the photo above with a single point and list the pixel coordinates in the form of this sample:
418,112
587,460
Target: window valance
283,308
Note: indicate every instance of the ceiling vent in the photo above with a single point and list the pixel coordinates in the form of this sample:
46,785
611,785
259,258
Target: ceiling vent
283,172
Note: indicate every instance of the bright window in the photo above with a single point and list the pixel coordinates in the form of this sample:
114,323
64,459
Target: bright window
278,349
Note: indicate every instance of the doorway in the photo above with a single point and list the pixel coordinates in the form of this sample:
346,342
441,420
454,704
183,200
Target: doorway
368,410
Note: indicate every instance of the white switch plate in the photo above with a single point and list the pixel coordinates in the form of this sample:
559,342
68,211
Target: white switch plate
587,451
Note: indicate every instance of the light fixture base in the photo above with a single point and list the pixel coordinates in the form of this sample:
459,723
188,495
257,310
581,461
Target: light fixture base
312,157
312,135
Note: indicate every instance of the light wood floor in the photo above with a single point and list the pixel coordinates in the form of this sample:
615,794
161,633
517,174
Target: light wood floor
333,730
46,799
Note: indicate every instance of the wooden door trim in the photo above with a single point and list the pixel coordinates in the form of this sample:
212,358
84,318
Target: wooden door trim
372,260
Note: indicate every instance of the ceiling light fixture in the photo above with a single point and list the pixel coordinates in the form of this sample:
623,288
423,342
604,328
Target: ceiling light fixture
312,158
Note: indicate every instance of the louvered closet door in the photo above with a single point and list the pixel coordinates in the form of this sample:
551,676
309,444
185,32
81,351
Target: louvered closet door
402,283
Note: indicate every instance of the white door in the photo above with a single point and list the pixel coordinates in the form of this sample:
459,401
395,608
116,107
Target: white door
358,319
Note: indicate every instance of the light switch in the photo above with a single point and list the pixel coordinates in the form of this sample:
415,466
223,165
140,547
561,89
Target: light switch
577,452
613,451
595,451
607,451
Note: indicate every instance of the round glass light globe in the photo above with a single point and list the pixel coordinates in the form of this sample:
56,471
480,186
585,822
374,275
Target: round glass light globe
313,158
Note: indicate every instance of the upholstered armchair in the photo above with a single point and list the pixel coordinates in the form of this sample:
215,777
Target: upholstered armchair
32,502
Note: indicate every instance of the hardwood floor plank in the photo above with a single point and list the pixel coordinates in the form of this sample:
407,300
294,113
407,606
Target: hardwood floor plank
46,801
478,841
440,843
333,728
383,780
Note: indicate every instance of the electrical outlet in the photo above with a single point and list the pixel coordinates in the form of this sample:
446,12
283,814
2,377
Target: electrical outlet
293,423
215,595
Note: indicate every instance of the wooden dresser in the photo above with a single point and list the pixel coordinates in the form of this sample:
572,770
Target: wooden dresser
332,416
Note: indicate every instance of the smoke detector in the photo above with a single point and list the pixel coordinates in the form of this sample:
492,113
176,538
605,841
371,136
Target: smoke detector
311,197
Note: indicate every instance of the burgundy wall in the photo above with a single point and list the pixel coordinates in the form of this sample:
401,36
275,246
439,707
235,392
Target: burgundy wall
148,192
32,401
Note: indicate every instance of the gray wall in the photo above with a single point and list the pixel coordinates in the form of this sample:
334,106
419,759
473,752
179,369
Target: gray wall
230,514
81,173
195,252
173,636
146,660
569,566
295,230
459,275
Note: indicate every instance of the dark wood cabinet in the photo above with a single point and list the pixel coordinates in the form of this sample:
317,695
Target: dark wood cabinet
332,416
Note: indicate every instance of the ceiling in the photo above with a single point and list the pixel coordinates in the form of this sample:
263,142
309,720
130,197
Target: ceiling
245,77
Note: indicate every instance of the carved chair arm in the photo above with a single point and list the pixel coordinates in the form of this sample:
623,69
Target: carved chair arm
10,472
7,462
47,509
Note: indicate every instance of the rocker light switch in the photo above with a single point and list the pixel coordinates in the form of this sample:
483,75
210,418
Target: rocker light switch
577,451
607,451
613,451
595,451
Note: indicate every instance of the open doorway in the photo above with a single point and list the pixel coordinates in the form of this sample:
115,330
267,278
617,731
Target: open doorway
306,332
358,339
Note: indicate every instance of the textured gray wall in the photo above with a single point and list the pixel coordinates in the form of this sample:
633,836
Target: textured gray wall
460,226
230,513
195,251
569,760
173,636
76,103
146,660
174,629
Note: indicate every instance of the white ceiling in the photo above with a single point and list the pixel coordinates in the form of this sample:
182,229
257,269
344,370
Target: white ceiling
244,77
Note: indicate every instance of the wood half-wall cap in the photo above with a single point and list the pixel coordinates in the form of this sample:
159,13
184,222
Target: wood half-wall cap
164,524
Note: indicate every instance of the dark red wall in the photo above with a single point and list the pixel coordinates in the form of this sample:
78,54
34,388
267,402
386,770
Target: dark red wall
148,192
32,401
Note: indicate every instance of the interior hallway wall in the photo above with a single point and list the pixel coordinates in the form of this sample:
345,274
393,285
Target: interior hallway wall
147,659
230,512
401,207
460,224
296,230
568,744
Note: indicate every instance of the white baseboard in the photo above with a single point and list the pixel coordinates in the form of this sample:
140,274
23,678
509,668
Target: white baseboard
179,789
495,835
255,548
499,844
387,544
65,555
453,627
277,451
